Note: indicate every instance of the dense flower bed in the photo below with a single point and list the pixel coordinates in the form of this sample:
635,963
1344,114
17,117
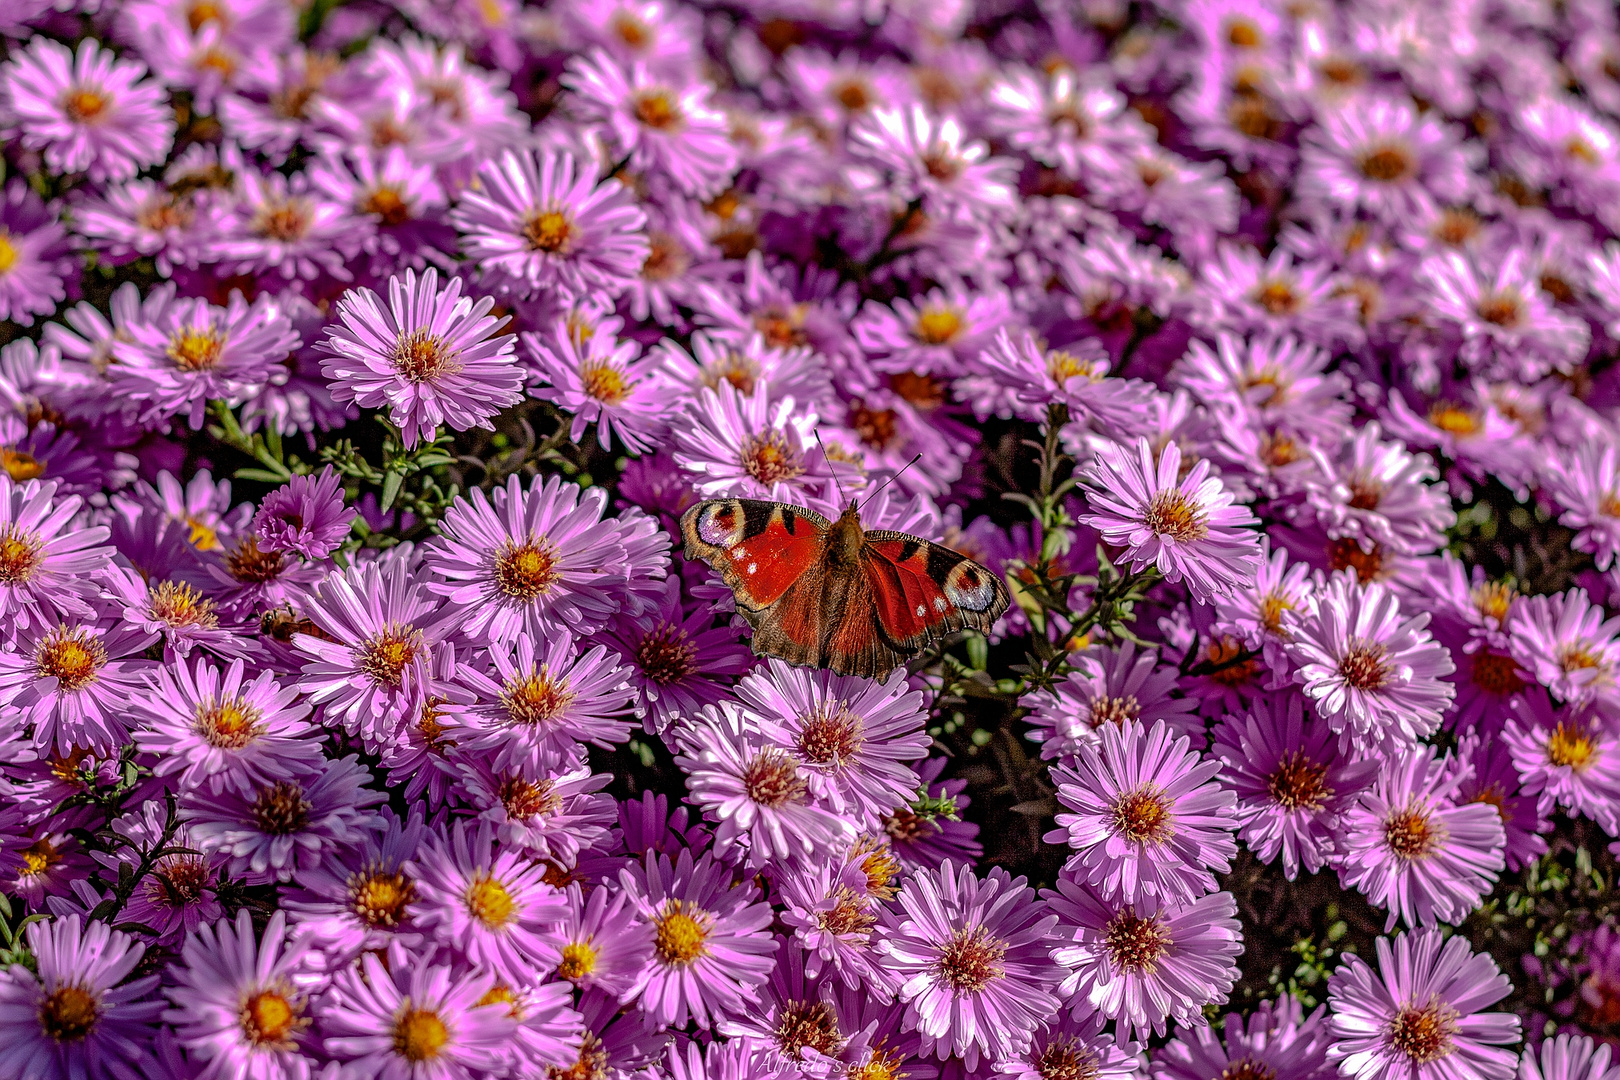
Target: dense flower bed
361,716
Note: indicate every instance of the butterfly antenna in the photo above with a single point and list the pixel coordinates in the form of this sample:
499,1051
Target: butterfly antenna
829,467
891,479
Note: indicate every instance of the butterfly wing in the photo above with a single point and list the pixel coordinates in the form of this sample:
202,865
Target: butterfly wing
760,548
922,591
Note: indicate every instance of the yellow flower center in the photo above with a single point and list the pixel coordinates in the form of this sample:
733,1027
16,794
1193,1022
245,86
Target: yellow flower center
1571,746
228,725
526,571
69,1013
548,231
937,326
578,961
681,933
20,556
655,109
490,903
419,1034
196,348
605,383
267,1017
71,657
8,252
83,104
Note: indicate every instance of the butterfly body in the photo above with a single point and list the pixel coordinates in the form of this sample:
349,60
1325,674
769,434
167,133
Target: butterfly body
831,594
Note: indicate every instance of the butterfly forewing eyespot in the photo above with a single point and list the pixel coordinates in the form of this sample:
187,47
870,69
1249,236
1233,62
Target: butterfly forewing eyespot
722,524
970,587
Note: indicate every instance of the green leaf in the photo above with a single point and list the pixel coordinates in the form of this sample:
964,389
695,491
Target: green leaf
392,482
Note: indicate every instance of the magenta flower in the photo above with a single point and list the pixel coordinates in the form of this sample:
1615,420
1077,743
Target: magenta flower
46,560
1419,1015
1186,528
543,223
1565,642
973,957
1145,815
74,1014
1108,685
1277,1038
601,943
1411,848
601,381
429,358
88,111
35,259
306,515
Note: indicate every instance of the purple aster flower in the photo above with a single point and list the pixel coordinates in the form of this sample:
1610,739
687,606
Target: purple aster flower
490,905
1291,780
551,812
1144,963
1277,1040
853,738
1567,758
666,126
1377,493
179,892
931,159
35,261
1108,685
1586,485
305,515
712,949
361,899
242,1007
1508,327
429,358
144,218
369,669
409,1020
248,583
286,826
1567,1057
74,1015
47,558
942,333
731,443
220,730
1147,816
533,561
601,382
193,352
89,112
973,957
1065,120
1019,376
601,943
543,700
1495,779
1188,528
283,229
756,792
1568,646
1375,676
677,661
542,224
1245,292
1381,155
1063,1047
1409,846
1418,1017
832,907
73,682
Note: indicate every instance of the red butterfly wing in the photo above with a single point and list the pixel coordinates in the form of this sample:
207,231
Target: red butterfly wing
922,591
760,548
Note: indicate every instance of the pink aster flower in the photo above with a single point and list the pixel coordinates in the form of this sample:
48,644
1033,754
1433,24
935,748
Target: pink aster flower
666,126
1277,1038
1568,646
712,949
429,357
1586,486
74,1014
1409,846
1065,120
1376,492
1374,675
306,515
1187,528
536,561
852,738
47,560
1018,376
601,381
1418,1016
89,112
543,224
1567,758
931,158
1142,964
370,667
193,352
1567,1057
1381,155
289,825
1146,817
731,443
1245,292
35,259
941,333
1508,327
1291,780
832,907
219,729
242,1007
756,792
1494,779
974,959
602,943
1108,685
73,682
488,904
387,1020
284,229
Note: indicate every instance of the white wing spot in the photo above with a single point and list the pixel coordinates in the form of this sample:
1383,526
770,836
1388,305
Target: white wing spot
921,610
752,567
939,604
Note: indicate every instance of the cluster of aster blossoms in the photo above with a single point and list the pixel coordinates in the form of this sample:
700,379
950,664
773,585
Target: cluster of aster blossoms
1269,317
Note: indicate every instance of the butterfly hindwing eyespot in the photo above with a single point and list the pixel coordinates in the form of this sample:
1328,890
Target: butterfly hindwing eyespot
969,586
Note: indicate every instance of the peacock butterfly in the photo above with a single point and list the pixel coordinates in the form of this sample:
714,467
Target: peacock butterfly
830,594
